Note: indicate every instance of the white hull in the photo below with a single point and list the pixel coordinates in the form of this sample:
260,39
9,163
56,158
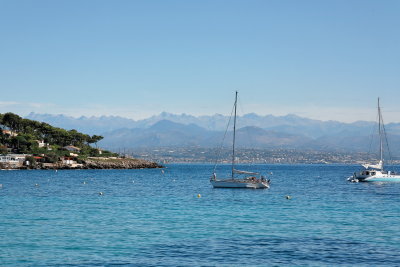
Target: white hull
375,176
239,183
383,179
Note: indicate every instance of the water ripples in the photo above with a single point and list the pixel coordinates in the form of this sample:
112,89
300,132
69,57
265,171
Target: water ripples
158,220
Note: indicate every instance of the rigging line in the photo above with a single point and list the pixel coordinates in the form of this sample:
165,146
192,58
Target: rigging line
251,144
372,135
385,135
223,139
234,136
387,143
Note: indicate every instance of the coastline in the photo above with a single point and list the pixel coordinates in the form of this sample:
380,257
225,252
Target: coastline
91,163
119,163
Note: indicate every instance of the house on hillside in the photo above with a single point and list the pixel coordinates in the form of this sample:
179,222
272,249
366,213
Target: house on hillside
9,132
8,159
19,157
12,160
72,149
41,143
68,160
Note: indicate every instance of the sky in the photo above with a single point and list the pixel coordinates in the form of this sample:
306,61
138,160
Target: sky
326,60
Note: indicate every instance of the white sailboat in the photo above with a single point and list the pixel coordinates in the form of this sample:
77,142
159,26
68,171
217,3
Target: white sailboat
248,179
376,172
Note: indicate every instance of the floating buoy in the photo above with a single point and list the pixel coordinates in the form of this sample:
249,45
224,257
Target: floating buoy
162,171
56,170
133,181
1,185
84,182
36,185
198,195
288,197
101,193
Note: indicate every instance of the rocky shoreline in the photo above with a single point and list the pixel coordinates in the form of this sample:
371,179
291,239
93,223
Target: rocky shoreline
92,163
119,163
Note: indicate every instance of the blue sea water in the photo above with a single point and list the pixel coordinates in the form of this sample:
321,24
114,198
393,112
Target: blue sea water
150,218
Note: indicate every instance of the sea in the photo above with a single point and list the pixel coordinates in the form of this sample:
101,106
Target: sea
311,216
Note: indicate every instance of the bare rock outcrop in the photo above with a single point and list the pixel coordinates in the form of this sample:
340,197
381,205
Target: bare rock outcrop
118,163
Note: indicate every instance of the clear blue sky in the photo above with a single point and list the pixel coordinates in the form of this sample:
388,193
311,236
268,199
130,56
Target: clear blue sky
318,59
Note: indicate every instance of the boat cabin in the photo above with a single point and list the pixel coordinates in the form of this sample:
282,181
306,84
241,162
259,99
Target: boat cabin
371,173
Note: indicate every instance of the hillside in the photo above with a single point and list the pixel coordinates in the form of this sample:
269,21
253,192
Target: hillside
29,136
26,143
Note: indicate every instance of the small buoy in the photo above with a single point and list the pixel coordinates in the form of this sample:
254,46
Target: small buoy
100,193
133,181
198,195
288,197
36,185
162,171
84,182
1,185
56,170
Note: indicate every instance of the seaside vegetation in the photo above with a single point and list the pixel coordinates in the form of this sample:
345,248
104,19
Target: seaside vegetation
23,136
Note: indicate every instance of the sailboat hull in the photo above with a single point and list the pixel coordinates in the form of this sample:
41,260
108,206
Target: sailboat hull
239,184
393,178
375,176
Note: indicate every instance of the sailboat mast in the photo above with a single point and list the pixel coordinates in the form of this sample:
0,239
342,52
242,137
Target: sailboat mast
234,138
380,133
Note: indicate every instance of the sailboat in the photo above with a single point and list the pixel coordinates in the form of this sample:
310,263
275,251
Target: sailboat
239,179
376,172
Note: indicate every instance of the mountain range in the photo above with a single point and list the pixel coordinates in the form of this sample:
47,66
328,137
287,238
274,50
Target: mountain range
267,132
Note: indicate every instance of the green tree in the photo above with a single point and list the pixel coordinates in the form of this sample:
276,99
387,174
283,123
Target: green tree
12,121
94,139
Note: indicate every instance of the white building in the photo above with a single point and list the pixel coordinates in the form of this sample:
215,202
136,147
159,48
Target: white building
8,159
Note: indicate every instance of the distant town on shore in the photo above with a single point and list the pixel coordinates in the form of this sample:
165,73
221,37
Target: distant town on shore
245,155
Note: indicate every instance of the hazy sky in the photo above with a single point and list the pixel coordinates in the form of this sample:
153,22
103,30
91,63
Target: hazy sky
326,60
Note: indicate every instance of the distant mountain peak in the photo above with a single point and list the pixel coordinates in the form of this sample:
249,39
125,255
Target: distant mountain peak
251,115
167,124
289,131
164,122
